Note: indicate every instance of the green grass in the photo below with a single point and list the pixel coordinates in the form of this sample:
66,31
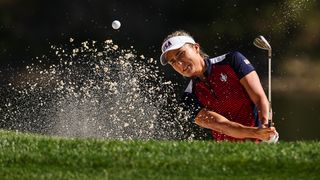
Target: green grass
28,156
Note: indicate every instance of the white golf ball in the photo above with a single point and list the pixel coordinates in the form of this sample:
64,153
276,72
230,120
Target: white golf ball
116,24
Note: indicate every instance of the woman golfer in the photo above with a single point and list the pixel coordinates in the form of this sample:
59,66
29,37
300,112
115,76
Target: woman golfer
224,92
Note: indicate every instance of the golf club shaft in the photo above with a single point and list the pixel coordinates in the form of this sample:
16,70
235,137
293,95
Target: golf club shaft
262,43
269,88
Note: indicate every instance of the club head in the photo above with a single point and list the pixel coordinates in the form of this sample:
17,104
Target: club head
262,43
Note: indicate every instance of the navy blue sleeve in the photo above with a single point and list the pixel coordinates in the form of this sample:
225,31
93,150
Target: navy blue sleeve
190,104
240,64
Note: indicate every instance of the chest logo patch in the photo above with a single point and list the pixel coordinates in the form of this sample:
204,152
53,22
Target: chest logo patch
223,77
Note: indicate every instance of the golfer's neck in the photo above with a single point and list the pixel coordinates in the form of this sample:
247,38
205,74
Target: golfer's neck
203,68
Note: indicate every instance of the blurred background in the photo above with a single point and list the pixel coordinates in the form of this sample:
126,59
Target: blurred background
29,28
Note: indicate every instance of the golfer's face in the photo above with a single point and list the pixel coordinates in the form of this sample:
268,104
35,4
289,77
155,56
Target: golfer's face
185,60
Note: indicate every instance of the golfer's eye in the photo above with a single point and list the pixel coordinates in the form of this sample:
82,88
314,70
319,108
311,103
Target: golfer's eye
180,54
173,61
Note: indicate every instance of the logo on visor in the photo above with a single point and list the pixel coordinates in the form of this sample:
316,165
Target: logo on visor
166,46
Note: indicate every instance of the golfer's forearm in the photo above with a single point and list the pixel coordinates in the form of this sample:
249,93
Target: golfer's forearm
252,84
214,121
263,109
234,129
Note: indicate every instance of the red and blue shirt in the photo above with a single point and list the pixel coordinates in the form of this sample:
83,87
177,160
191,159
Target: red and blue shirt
223,93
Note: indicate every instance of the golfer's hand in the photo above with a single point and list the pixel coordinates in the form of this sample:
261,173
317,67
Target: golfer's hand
266,125
266,133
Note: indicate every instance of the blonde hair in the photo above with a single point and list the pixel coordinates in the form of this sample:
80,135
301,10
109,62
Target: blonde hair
184,33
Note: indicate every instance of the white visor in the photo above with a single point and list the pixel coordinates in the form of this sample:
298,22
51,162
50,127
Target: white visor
175,42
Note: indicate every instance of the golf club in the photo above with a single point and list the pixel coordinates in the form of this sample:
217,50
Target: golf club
262,43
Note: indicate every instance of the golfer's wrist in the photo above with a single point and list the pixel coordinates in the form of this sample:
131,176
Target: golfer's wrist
254,133
259,134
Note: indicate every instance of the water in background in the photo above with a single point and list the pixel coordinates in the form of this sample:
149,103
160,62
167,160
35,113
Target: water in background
95,90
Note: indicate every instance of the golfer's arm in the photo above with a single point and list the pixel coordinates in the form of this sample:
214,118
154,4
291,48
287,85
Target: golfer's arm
211,120
256,93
